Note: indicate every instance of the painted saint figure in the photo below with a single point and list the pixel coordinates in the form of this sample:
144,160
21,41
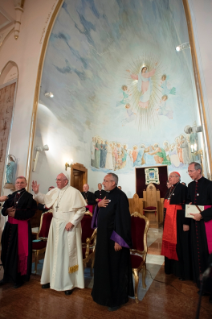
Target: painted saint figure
92,149
139,159
11,169
144,85
109,158
160,155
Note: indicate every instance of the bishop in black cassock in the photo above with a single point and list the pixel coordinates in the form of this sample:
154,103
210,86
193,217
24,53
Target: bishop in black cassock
100,194
16,241
112,269
88,196
200,193
177,254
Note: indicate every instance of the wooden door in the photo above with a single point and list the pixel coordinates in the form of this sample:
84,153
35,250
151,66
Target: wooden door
78,179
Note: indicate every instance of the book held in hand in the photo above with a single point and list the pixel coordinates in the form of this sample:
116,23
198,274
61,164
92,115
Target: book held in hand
194,209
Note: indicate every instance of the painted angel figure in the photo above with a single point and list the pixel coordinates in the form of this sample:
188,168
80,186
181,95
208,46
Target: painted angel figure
166,86
144,85
124,97
164,108
130,116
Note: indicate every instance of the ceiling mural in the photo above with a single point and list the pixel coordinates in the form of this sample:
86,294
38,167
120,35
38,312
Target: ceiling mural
119,84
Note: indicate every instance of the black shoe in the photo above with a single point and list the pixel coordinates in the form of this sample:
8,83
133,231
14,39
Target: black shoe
114,308
3,282
46,286
68,292
18,285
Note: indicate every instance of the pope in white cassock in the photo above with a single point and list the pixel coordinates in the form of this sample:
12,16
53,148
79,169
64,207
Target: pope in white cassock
63,264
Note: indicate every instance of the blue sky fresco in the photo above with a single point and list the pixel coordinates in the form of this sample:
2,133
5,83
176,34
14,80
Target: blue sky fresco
95,48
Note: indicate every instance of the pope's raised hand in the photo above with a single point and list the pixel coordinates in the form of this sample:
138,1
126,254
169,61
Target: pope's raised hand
3,198
104,202
35,187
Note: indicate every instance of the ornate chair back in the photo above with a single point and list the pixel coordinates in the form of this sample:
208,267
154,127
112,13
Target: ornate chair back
151,196
87,231
45,223
139,229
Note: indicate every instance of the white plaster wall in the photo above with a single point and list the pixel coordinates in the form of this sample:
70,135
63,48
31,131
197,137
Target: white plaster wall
201,12
25,52
64,146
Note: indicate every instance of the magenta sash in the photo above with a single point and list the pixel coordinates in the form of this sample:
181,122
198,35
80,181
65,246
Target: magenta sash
208,231
90,208
22,244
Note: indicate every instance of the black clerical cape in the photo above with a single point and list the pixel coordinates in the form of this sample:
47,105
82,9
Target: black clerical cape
181,267
100,194
89,196
16,241
112,269
200,193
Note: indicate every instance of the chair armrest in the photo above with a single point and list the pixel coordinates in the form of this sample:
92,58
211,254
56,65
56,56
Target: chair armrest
91,243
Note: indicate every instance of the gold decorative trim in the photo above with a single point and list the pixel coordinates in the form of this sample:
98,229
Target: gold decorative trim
37,91
73,269
198,85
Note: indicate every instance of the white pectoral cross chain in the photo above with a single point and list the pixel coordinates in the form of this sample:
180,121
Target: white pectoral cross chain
59,200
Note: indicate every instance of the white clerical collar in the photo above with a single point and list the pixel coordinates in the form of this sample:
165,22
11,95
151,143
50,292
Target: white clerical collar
63,189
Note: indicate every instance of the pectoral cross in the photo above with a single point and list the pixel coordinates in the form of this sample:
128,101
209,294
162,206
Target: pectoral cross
57,207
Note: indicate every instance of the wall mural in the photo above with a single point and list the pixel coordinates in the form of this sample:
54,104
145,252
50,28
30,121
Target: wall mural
113,156
118,81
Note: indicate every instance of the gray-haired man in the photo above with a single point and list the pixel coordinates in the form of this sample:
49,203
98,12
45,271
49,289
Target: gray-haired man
112,269
200,193
63,265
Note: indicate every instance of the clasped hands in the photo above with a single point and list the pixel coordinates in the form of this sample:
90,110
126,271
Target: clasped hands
11,211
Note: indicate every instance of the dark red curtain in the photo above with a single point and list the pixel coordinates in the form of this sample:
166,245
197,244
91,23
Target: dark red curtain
140,180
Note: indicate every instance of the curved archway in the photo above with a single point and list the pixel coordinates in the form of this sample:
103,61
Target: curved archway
97,94
9,73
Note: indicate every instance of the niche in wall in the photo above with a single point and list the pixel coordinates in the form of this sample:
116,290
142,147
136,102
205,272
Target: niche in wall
8,80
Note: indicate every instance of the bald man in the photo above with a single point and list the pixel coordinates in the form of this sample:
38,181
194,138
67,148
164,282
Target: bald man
176,235
16,242
63,264
89,198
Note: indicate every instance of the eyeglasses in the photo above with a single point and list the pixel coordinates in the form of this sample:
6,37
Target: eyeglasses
190,171
107,181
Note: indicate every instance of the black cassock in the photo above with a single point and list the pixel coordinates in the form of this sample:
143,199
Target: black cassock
25,209
90,198
181,267
112,269
100,194
200,193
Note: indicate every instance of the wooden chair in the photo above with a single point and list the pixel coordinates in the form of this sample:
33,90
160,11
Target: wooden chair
39,245
151,203
88,240
139,229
